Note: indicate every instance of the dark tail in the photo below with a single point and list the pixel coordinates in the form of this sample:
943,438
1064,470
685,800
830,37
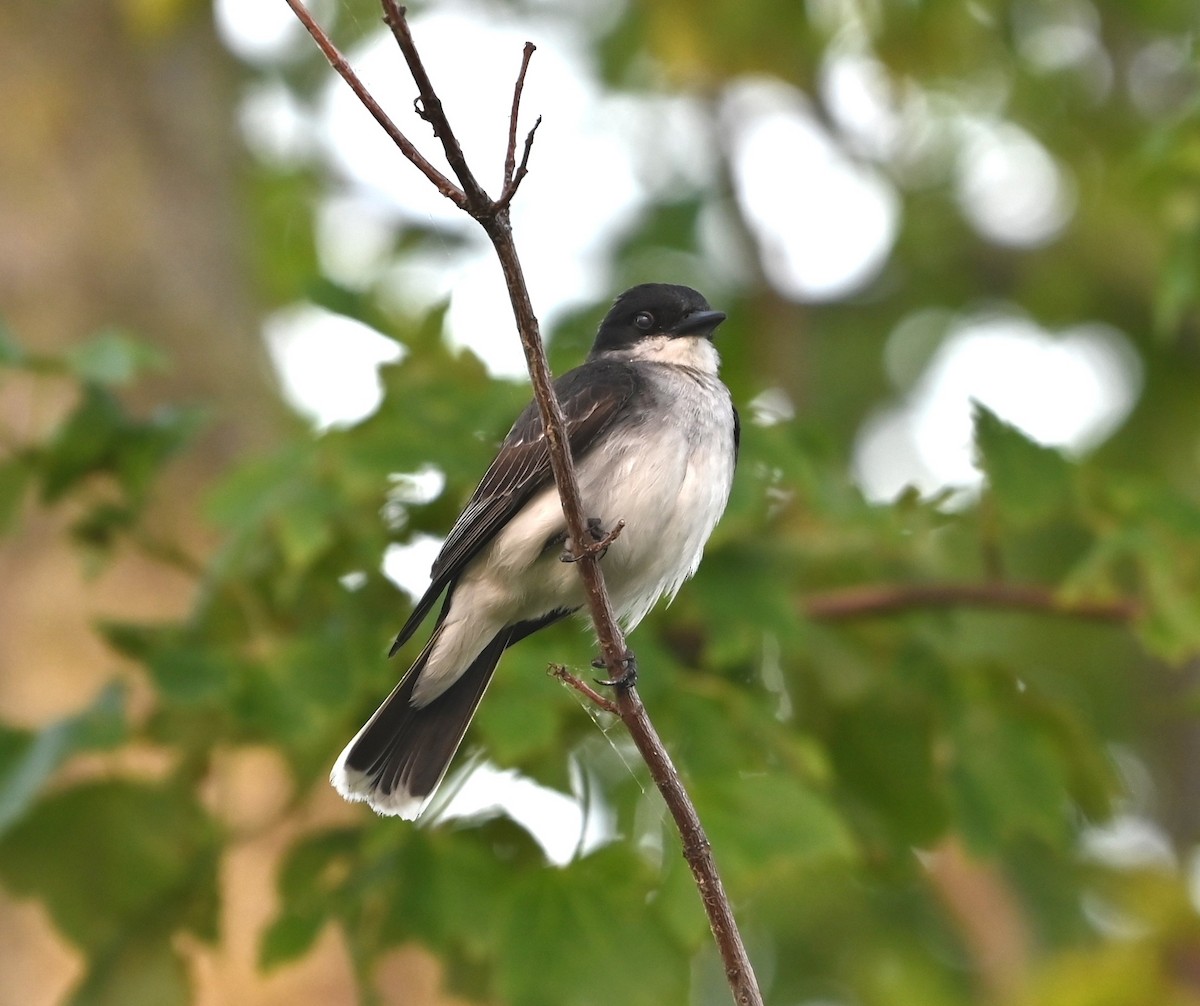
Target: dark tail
400,756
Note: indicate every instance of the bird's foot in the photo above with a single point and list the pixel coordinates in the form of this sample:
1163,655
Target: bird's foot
628,676
600,540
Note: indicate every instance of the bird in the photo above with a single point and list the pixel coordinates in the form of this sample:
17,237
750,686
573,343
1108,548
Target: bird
655,437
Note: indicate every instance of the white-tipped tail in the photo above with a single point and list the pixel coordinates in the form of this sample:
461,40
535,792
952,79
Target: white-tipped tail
359,787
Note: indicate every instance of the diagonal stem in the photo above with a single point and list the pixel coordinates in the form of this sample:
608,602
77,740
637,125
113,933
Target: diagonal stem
431,110
338,62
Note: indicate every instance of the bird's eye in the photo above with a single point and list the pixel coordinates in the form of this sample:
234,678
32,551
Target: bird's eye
644,321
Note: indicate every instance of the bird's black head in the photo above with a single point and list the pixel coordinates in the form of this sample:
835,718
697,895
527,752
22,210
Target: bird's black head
655,309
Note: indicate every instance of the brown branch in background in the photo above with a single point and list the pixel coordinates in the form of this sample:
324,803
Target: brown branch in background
493,216
981,901
888,599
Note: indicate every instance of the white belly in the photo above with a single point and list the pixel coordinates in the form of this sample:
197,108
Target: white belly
669,482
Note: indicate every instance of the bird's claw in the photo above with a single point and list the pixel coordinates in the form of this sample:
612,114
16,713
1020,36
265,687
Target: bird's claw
628,676
598,546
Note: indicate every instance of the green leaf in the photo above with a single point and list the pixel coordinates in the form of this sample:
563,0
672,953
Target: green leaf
289,936
144,970
84,444
1178,290
186,669
560,925
99,436
304,526
15,477
883,752
113,358
28,760
758,820
1006,780
110,858
191,674
1028,481
309,882
1170,625
150,443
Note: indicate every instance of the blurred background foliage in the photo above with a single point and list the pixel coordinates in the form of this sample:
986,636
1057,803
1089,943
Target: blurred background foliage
944,741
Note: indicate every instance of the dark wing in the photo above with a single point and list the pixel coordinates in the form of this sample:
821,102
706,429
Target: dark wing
591,397
737,435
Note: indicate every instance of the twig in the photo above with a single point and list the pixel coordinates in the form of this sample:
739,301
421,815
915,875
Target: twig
493,216
583,688
886,599
514,175
510,188
510,155
432,112
338,62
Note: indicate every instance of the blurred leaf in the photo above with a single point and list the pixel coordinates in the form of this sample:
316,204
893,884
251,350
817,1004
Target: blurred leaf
112,357
1028,481
304,525
315,866
883,751
600,905
100,437
1006,780
84,444
185,669
1171,625
111,858
28,760
139,972
16,474
758,820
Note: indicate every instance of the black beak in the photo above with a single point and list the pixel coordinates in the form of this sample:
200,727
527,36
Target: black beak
699,323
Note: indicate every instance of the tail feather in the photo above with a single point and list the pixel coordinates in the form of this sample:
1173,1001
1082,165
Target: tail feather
397,760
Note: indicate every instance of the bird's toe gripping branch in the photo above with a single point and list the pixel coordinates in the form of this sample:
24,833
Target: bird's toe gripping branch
628,676
600,540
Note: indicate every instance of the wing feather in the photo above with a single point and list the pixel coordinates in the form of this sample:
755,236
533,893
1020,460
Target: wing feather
591,397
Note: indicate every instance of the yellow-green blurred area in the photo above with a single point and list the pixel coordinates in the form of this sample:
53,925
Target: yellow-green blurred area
934,688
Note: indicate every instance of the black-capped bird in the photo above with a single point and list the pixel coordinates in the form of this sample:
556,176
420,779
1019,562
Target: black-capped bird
654,436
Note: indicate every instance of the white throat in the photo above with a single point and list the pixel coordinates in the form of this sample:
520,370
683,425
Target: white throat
693,352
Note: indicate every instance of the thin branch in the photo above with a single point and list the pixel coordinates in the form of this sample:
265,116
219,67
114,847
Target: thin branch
583,688
510,189
513,175
887,599
432,112
510,155
493,216
338,62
